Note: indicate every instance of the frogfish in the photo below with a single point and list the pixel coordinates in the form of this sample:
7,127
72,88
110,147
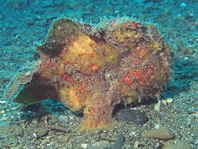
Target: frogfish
92,68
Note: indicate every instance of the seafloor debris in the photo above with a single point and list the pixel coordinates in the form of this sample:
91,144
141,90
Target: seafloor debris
92,68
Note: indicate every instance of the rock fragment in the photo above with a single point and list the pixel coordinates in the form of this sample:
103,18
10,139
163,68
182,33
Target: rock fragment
100,145
119,142
180,144
162,133
5,127
41,132
133,116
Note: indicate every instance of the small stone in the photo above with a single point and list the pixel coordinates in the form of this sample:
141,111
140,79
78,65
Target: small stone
134,116
158,126
45,142
169,100
117,11
59,128
41,132
2,112
103,135
136,144
157,106
183,4
17,130
133,128
100,145
35,121
4,119
119,142
2,102
84,145
178,144
162,133
71,117
63,139
4,127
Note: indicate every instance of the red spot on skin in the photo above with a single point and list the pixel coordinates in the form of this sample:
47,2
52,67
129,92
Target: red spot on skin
138,74
137,62
48,66
86,116
94,67
68,78
92,114
137,24
139,50
67,62
152,76
105,89
53,68
90,44
141,77
81,91
127,79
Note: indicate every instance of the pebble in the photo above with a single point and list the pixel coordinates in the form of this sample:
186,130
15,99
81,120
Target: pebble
59,128
35,121
119,142
158,126
2,102
136,144
157,106
18,130
103,135
41,132
63,139
162,133
183,4
100,145
84,145
133,116
178,145
2,112
5,127
62,118
169,100
4,119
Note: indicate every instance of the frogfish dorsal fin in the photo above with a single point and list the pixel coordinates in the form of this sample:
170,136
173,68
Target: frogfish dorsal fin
59,35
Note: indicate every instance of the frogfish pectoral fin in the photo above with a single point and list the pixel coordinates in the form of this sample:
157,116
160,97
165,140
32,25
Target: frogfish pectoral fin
36,91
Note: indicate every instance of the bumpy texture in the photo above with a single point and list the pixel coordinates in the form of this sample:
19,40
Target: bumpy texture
92,68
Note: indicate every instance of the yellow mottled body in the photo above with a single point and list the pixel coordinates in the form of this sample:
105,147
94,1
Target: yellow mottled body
92,71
